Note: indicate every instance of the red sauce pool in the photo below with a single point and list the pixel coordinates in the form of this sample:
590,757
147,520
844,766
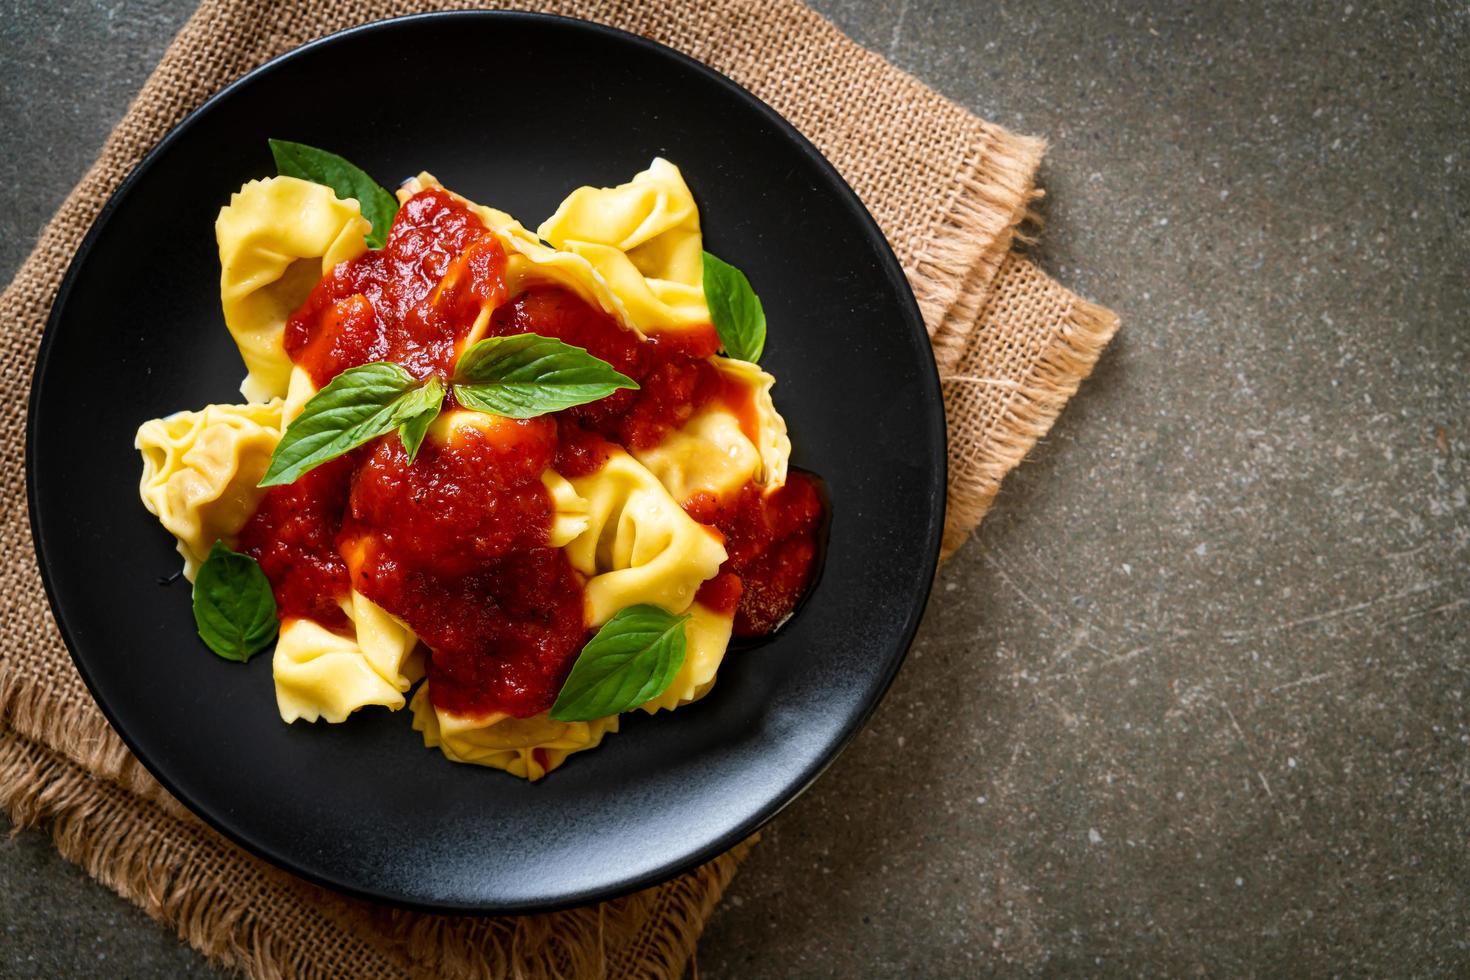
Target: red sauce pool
771,540
456,544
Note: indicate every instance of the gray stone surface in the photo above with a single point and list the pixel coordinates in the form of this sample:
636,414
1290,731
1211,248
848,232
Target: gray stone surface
1194,701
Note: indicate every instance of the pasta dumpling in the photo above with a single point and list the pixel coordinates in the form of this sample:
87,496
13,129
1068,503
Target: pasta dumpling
706,638
277,238
323,675
299,390
643,238
652,218
524,747
767,427
639,546
600,274
200,471
569,517
531,263
710,454
716,452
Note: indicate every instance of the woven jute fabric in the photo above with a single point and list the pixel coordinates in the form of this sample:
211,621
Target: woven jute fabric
949,191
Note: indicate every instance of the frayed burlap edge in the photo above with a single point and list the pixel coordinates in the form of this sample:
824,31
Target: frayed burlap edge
982,452
990,210
90,743
161,859
161,864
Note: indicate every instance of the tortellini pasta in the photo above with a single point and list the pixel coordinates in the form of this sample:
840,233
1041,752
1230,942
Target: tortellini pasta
709,454
524,747
530,263
717,452
639,546
656,285
769,427
322,675
299,390
200,471
277,238
569,510
532,747
706,637
643,238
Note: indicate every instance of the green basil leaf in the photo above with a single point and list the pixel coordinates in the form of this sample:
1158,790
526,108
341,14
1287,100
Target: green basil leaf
736,310
526,375
233,605
413,430
346,181
633,657
357,405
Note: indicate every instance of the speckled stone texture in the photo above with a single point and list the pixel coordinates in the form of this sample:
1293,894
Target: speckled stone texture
1194,701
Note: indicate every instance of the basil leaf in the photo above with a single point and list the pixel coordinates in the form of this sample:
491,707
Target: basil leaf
736,310
413,430
633,657
357,405
346,181
233,605
526,375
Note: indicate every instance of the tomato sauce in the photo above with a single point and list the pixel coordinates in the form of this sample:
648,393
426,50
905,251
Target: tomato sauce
721,594
771,540
293,535
409,302
456,544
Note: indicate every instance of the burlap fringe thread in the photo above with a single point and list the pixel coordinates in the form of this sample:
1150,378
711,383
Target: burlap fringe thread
1011,347
164,866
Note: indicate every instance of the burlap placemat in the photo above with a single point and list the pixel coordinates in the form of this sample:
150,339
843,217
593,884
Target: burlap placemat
949,191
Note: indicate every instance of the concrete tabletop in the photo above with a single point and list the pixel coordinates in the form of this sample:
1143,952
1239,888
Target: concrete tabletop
1195,698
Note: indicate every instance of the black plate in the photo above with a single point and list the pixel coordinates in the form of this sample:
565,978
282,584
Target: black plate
515,111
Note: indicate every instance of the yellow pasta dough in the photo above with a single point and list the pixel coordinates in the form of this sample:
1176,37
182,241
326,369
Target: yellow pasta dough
200,471
525,747
652,219
714,453
643,238
769,436
277,238
299,390
709,454
530,263
321,675
706,638
569,517
532,747
639,546
656,286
